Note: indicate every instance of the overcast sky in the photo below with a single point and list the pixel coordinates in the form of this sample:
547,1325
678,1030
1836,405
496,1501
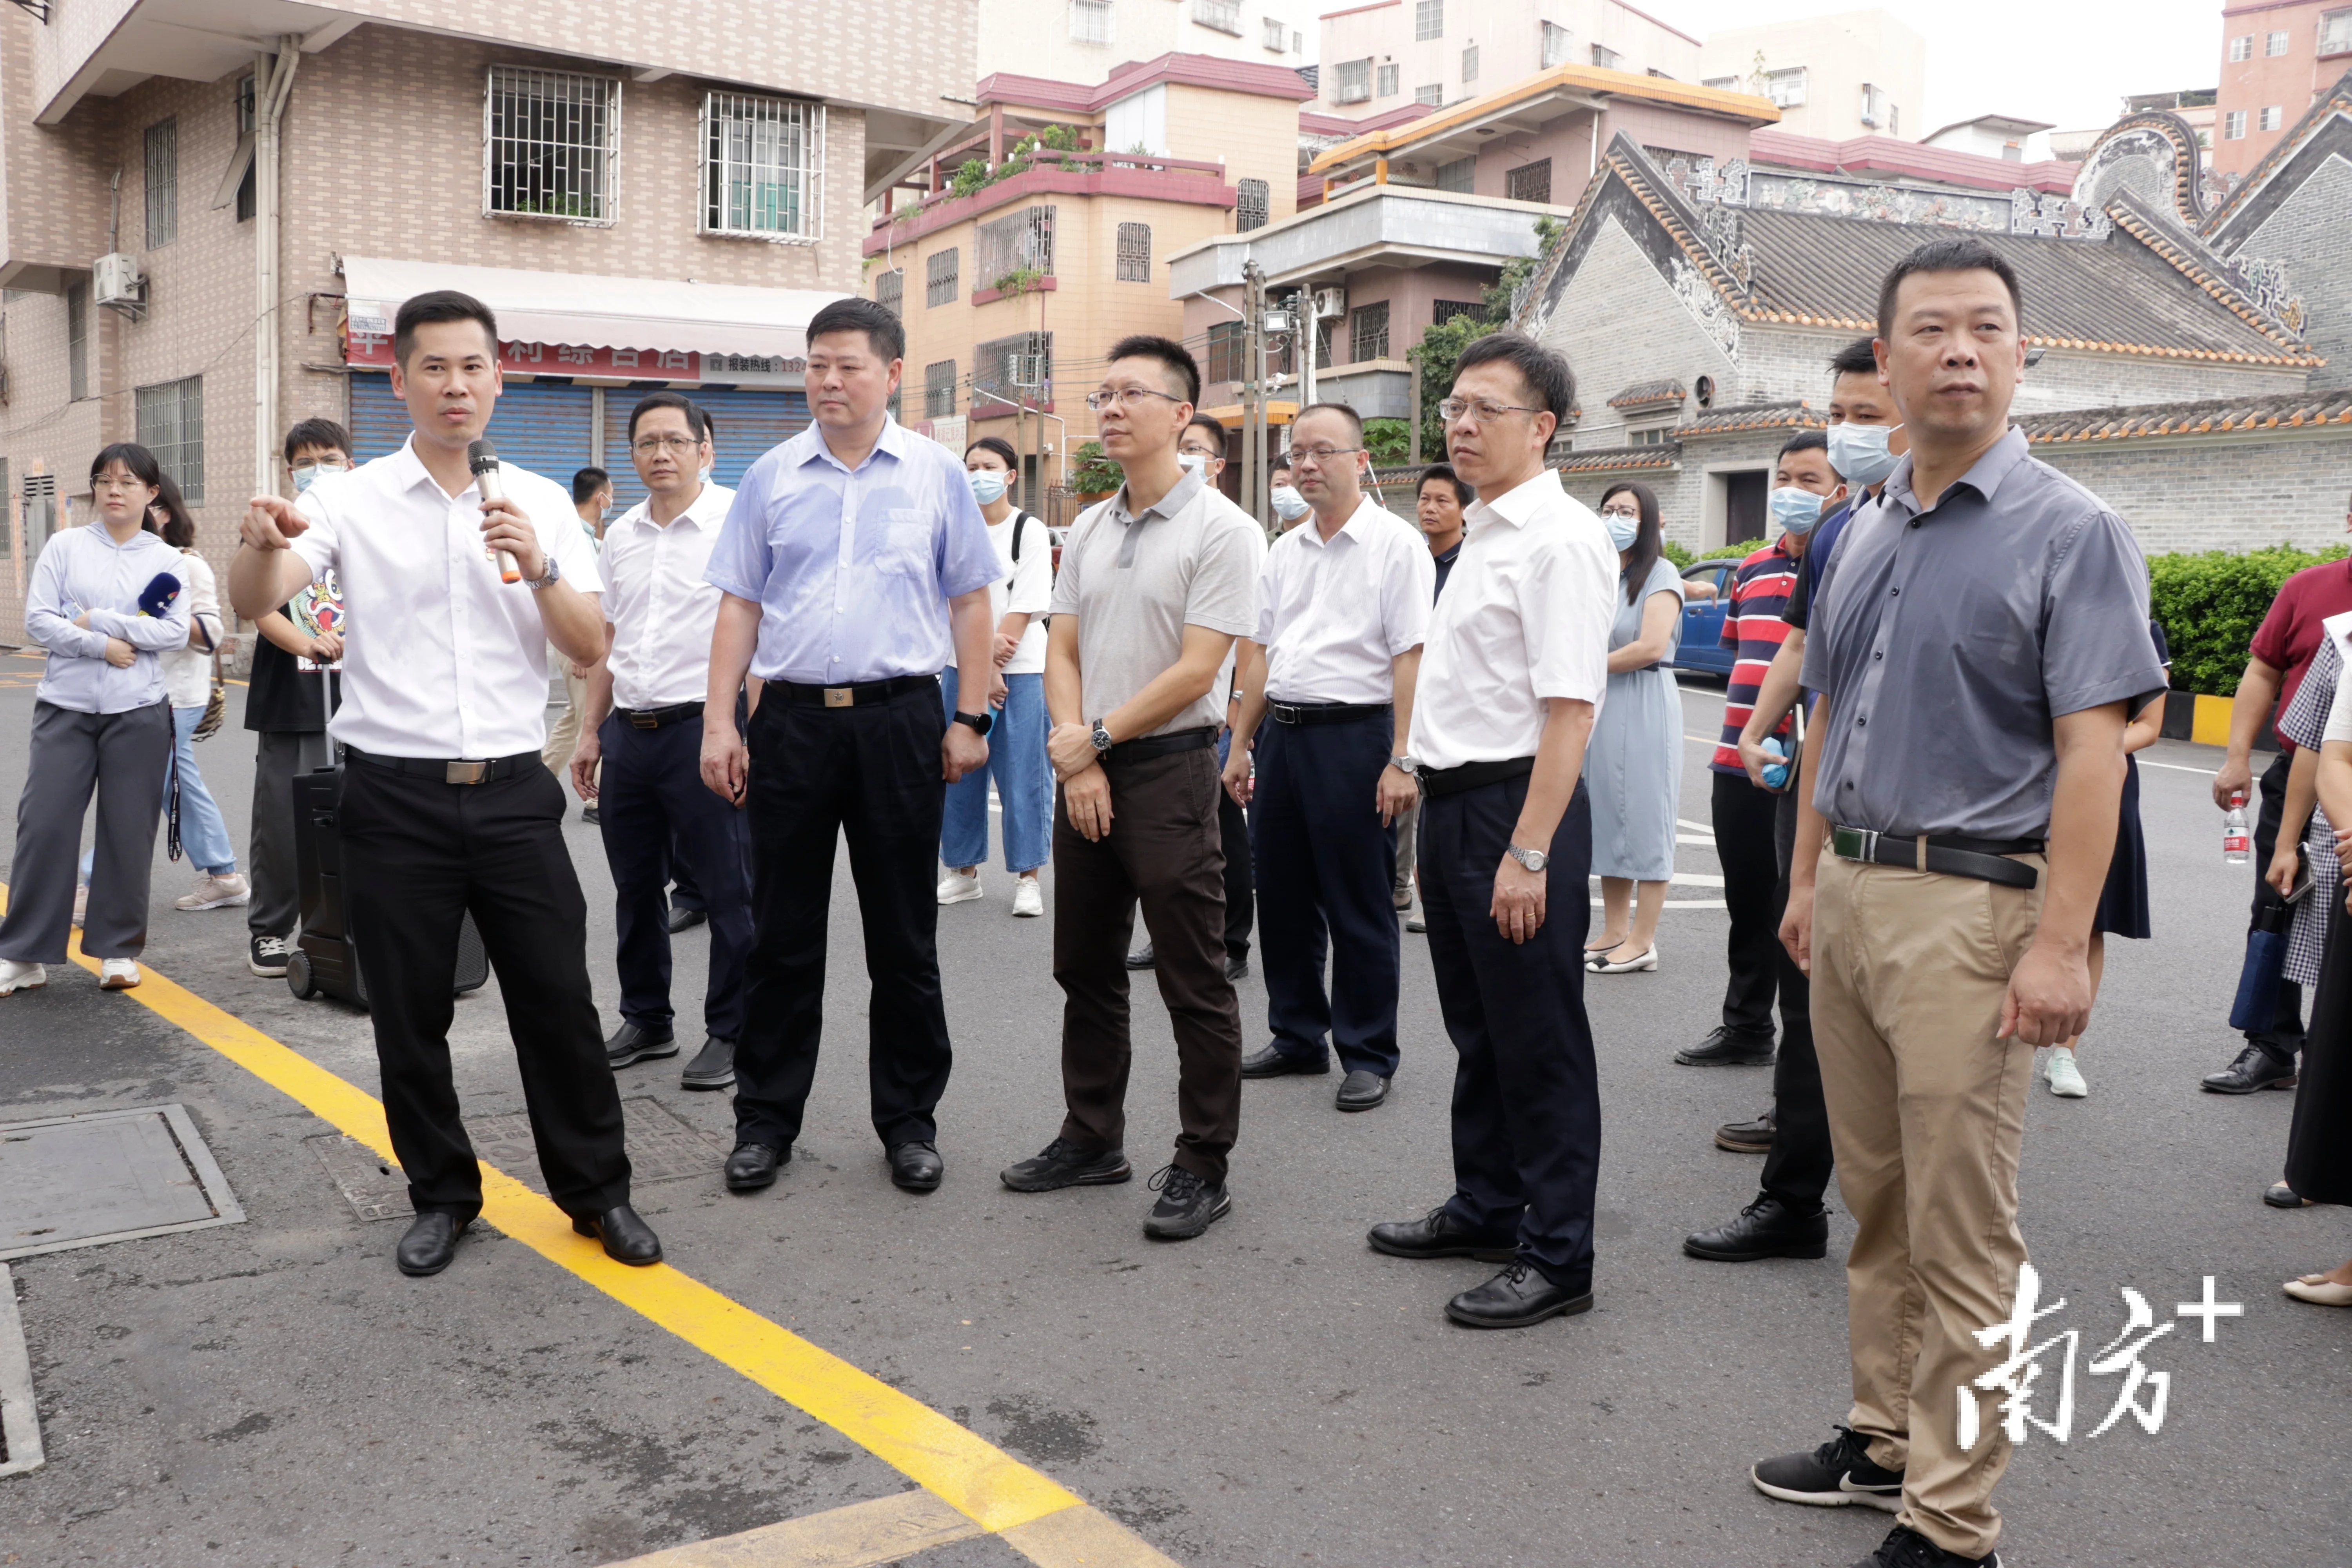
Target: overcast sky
2068,62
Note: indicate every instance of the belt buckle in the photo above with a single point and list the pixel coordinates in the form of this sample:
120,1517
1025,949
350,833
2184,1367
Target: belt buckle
1854,843
465,772
641,719
1284,713
840,697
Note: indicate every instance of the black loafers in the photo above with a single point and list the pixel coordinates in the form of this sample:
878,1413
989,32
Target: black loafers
2255,1068
713,1066
1236,968
1438,1234
627,1238
1514,1299
917,1168
1728,1048
430,1243
1765,1228
1362,1089
632,1043
684,920
1274,1062
754,1166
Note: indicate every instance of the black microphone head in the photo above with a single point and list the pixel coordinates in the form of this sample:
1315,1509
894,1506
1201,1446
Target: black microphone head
481,456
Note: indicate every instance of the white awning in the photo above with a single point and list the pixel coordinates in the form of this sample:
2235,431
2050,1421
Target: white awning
596,311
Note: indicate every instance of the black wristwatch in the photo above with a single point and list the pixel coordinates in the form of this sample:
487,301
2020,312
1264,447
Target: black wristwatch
981,723
1101,738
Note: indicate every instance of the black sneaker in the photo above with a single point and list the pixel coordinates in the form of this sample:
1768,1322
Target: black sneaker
267,956
1835,1475
1906,1547
1728,1048
1064,1164
1188,1204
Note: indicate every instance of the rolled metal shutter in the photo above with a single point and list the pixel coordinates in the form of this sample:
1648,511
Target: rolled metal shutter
542,426
750,422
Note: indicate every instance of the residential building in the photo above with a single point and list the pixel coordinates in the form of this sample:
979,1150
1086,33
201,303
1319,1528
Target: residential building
2003,136
259,234
2277,56
1856,73
1012,290
1436,52
1085,40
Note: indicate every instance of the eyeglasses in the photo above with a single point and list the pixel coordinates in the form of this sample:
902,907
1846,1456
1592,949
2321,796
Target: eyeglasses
647,446
117,482
1484,412
1120,396
1620,512
1319,455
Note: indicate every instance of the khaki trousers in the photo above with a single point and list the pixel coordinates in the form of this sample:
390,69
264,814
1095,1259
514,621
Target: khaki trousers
1927,1110
564,735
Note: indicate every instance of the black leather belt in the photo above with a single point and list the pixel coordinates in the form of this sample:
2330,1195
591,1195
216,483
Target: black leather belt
800,696
1145,747
1473,775
1948,854
1323,712
456,770
655,717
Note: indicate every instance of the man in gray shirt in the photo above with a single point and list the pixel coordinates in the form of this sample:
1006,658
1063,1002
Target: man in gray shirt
1155,584
1987,629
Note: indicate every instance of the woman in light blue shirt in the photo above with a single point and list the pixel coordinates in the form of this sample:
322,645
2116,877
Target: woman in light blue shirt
106,600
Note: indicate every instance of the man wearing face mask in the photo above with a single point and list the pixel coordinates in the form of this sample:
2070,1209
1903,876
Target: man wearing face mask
1290,508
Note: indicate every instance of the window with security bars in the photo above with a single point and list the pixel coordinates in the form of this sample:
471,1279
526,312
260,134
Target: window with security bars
1273,35
2241,48
1022,242
1352,81
1389,75
1469,65
2233,125
941,276
1528,181
1368,333
41,499
1134,253
1444,311
890,292
1224,16
2272,117
2276,43
1090,21
1786,88
1433,95
1225,339
1605,58
169,421
762,166
77,340
938,389
1015,370
1428,20
163,182
551,145
1555,45
1250,199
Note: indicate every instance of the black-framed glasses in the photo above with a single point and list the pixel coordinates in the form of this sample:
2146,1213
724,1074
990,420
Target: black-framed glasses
1484,412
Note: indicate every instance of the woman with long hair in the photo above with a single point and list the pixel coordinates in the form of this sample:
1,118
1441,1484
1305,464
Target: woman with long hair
187,680
106,600
1634,763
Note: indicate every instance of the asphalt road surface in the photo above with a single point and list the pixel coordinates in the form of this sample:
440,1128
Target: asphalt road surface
273,1393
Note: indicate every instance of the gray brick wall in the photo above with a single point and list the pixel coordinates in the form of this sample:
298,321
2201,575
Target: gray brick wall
2311,233
1619,322
2223,492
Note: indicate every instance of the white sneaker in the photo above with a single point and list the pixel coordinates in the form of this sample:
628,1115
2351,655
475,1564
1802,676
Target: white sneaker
216,893
955,888
1028,898
2065,1077
117,975
16,976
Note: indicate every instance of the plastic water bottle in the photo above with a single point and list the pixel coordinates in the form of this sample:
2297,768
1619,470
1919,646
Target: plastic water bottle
2235,843
1775,774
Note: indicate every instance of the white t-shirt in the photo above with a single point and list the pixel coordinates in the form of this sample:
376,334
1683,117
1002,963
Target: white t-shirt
188,671
1027,586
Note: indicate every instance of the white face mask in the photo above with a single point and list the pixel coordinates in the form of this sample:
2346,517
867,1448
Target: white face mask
309,474
1859,454
1191,462
1287,502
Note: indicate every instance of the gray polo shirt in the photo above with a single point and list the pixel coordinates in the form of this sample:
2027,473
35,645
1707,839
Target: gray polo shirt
1136,582
1952,637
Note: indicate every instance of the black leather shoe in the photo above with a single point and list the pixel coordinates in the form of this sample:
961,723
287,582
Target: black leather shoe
1905,1548
2279,1195
630,1043
754,1166
1438,1234
1362,1089
1236,968
1142,957
1062,1163
627,1238
1728,1048
686,919
917,1168
1274,1062
713,1066
2254,1068
430,1243
1516,1298
588,814
1747,1137
1765,1228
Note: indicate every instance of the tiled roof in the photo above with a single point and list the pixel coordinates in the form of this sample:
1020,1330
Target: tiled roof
1664,391
1619,458
1794,415
2335,101
2284,411
1773,147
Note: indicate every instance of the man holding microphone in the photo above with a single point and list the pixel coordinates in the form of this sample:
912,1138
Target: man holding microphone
447,807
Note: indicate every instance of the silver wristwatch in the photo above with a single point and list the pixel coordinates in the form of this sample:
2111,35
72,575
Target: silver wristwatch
1411,765
1533,860
554,574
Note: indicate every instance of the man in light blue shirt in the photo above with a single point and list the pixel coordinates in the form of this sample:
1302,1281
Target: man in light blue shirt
855,564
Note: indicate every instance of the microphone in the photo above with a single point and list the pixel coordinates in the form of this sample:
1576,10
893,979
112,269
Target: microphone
156,598
483,458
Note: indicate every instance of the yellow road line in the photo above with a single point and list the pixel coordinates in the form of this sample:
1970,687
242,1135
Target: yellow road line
972,1475
861,1535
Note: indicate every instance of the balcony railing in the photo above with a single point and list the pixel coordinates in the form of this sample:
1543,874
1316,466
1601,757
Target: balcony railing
1072,163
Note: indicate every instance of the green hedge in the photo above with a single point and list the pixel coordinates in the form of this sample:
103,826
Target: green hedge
1680,555
2211,604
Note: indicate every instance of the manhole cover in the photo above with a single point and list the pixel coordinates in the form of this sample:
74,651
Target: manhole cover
107,1175
662,1148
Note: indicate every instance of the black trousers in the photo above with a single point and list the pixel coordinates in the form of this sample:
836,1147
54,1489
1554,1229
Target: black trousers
1526,1099
658,818
418,855
870,773
1326,869
1797,1167
2284,1039
683,892
1241,886
1742,815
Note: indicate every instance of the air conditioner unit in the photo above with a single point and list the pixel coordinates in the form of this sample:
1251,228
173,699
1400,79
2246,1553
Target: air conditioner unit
1330,304
117,282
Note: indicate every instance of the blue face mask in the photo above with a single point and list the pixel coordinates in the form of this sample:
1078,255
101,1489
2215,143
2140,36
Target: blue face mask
987,485
1794,510
1859,454
1622,531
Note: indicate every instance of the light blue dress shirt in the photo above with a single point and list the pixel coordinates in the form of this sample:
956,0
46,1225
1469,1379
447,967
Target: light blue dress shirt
83,569
853,569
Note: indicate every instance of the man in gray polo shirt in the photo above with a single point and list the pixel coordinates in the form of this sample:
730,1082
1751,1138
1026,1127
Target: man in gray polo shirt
1155,584
1987,629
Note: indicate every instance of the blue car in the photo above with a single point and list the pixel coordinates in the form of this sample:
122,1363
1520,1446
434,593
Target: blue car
1701,647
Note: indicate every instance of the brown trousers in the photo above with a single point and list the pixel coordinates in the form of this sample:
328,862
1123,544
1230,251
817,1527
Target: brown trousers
1163,848
1927,1111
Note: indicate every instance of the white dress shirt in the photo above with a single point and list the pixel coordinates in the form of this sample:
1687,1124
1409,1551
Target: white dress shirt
662,611
84,570
188,671
1525,616
440,658
1334,614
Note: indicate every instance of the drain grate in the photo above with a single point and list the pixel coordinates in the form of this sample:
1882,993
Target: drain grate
107,1175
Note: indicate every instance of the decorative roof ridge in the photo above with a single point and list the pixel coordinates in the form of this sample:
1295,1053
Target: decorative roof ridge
2190,255
2187,157
2207,416
1679,218
2337,100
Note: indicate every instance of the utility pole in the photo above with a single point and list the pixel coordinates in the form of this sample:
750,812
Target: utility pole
1416,412
1254,474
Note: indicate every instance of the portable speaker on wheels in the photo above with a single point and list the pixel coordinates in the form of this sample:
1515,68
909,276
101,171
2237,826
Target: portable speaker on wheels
324,958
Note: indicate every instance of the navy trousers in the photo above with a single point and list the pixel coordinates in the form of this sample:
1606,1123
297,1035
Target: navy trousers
658,818
1526,1099
1324,864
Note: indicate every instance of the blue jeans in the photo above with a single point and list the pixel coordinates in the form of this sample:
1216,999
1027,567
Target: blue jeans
1025,784
203,833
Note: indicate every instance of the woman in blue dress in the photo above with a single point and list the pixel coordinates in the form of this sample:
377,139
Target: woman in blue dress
1634,763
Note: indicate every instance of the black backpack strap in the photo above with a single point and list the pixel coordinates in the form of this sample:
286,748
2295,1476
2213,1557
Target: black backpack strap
1018,517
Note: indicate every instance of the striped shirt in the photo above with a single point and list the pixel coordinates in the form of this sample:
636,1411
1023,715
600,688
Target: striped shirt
1752,625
